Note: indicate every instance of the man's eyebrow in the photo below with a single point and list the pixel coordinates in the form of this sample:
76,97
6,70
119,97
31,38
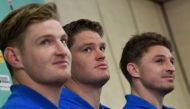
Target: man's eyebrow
50,35
103,44
44,36
161,55
64,36
87,44
172,58
91,43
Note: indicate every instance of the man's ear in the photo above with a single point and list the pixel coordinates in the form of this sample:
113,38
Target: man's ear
13,57
133,70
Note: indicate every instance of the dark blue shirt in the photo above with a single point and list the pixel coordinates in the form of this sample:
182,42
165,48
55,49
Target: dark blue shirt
70,100
23,97
135,102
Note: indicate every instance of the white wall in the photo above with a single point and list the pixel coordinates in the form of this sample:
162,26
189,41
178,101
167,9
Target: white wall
179,19
121,19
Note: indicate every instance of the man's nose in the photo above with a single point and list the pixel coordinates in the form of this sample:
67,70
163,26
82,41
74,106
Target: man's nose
100,55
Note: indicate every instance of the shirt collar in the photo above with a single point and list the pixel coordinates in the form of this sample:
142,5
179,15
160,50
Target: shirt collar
36,97
136,101
71,96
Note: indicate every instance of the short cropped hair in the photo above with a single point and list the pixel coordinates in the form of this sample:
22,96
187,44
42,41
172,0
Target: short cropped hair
80,25
137,46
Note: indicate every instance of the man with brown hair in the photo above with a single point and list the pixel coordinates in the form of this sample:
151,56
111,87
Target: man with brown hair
147,63
89,71
34,47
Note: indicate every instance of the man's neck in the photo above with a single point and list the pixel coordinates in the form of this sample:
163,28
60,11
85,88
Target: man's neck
51,92
88,93
151,96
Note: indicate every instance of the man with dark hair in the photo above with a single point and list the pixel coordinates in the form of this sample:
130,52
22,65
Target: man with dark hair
34,47
147,63
89,71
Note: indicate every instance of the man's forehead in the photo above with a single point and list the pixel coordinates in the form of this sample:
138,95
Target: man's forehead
85,40
158,51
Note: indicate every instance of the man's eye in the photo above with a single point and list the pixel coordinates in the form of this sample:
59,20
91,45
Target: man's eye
45,42
160,61
172,61
64,41
103,48
88,49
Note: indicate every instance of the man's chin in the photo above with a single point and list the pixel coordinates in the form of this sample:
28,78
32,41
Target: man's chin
168,90
103,81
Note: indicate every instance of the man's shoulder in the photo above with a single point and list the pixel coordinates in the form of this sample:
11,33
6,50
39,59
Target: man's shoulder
17,103
23,97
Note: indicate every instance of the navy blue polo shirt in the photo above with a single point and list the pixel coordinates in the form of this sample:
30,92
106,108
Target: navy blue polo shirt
70,100
23,97
135,102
